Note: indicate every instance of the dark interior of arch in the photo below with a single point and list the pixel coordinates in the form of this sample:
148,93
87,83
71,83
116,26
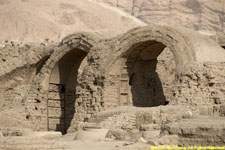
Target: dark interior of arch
62,88
144,82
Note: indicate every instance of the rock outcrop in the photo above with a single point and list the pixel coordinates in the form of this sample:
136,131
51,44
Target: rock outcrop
203,15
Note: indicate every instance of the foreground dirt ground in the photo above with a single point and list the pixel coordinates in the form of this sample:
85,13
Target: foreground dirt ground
199,130
66,143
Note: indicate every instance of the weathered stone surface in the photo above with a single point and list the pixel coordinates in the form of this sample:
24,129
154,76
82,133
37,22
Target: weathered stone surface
91,135
44,135
206,15
149,127
118,134
171,140
198,131
151,134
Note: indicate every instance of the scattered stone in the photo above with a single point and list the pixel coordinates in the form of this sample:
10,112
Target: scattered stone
151,134
128,143
168,140
152,143
46,40
92,135
149,127
187,115
117,134
141,140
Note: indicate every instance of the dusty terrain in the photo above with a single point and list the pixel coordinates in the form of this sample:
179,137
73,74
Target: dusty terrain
188,129
37,21
66,143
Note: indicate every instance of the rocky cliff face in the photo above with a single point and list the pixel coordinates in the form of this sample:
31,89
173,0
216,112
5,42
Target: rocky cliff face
203,15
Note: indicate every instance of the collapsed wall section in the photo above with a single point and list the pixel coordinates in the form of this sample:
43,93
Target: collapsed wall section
19,64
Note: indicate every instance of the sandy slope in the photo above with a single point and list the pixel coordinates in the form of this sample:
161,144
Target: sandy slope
36,20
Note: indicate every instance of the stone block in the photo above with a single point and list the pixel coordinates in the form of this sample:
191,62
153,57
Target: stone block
117,134
91,135
151,134
149,127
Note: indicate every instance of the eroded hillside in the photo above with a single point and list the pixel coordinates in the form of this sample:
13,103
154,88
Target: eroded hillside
206,15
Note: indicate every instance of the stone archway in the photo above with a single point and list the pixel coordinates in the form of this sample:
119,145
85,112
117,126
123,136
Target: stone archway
62,90
137,77
132,75
145,86
57,82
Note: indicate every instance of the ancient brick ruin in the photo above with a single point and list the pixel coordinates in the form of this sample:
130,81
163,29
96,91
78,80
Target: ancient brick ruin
62,86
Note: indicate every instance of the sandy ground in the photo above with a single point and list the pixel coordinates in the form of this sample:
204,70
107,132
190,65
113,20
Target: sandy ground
108,144
66,142
115,145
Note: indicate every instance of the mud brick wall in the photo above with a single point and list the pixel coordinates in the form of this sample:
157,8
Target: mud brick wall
201,86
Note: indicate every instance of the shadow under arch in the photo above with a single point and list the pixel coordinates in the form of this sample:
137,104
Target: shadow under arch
65,61
62,90
146,89
179,44
136,40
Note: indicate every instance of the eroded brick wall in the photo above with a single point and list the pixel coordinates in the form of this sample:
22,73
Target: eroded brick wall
201,86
